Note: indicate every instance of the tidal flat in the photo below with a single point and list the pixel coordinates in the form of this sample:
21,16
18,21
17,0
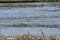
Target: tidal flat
19,22
47,15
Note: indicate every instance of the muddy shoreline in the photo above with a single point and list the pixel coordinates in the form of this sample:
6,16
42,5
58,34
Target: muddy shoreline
34,4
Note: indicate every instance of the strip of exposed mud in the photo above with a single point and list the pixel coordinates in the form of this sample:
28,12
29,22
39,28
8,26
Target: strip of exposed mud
36,4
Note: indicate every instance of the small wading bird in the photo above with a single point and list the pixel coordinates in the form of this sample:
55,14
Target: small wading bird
58,37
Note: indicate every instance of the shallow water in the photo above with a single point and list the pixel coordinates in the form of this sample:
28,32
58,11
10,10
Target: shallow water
46,15
12,31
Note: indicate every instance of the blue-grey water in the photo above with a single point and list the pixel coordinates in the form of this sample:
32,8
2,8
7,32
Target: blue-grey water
46,15
12,31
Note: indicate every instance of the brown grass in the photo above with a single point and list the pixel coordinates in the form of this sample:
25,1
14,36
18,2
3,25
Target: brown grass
31,37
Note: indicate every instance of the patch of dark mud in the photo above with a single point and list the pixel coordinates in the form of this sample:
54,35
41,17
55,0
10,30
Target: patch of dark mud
32,25
18,25
50,10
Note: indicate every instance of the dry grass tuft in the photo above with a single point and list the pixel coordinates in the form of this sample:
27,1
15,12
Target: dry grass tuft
31,37
25,37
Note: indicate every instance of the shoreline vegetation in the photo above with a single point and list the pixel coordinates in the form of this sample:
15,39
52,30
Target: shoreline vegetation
29,36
